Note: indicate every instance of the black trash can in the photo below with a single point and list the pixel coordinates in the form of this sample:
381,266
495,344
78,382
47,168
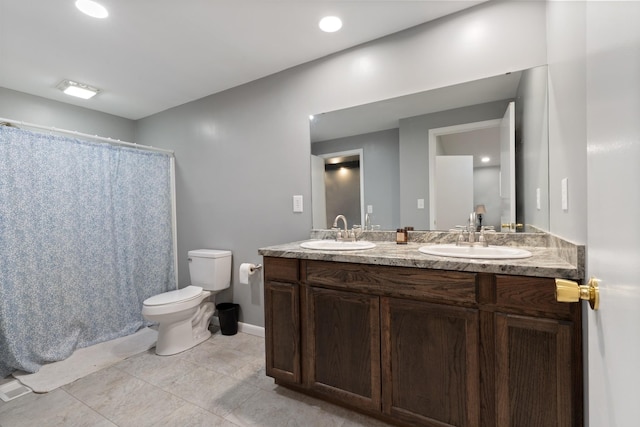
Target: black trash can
228,317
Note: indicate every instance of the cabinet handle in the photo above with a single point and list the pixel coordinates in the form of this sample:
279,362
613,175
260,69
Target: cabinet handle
570,291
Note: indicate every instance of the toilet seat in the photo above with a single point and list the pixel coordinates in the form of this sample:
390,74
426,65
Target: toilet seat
176,296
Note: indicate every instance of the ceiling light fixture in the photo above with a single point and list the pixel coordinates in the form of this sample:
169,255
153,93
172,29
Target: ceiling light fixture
76,89
92,8
330,24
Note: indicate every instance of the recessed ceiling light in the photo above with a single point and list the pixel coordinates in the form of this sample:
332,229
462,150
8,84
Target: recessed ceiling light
78,90
92,8
330,24
485,159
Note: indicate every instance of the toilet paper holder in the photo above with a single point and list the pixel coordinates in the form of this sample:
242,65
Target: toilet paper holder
247,270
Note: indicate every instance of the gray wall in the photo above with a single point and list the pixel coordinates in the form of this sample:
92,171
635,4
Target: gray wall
243,153
532,148
566,31
343,196
486,190
381,172
33,109
414,154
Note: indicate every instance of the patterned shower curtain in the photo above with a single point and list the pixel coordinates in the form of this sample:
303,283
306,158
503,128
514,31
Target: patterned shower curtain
85,238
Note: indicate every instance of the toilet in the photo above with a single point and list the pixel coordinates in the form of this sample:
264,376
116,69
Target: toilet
183,315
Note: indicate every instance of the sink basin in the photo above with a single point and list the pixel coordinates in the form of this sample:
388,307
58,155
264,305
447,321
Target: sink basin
334,245
478,252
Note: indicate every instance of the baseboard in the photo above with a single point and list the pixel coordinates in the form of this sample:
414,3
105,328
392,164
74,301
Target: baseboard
250,329
246,328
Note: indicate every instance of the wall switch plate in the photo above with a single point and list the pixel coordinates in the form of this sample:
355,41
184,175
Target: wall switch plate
565,194
370,209
297,203
420,203
538,199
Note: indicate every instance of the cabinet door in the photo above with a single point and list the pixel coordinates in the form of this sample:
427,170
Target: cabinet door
282,330
534,368
430,372
344,346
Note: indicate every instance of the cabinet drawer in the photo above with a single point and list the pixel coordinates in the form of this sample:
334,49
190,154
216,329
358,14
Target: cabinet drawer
530,295
285,269
415,283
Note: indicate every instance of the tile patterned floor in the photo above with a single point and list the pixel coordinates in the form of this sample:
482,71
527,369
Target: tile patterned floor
220,383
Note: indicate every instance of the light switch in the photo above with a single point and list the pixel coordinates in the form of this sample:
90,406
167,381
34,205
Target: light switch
370,209
297,203
565,194
420,203
538,199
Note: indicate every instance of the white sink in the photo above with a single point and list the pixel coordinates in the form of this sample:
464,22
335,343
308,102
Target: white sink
481,252
334,245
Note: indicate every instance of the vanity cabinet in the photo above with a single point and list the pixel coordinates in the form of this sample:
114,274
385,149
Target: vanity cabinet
538,354
342,357
282,319
425,347
429,363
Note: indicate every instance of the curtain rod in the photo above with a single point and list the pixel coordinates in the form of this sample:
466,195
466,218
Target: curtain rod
84,135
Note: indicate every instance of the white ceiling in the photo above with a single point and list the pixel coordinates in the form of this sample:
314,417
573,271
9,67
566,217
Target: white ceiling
151,55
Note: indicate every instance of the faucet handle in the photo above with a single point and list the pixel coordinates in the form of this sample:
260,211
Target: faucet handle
354,233
338,232
485,229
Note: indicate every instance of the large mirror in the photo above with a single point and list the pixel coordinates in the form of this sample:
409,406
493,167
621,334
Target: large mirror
429,159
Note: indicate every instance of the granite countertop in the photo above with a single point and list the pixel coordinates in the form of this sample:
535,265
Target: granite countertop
552,257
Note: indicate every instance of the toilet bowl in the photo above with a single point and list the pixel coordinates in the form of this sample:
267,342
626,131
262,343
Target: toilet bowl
183,315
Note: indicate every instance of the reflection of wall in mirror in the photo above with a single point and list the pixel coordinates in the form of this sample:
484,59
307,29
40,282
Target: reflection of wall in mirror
342,187
487,192
532,149
381,172
414,154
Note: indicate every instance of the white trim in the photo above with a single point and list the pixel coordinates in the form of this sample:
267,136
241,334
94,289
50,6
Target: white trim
432,142
250,329
174,217
246,328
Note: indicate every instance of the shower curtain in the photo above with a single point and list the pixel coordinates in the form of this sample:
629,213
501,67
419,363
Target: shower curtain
85,238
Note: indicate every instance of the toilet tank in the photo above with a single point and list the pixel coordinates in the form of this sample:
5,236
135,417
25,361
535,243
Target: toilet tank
210,268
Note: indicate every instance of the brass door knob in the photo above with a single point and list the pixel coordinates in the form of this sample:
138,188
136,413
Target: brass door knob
570,291
513,226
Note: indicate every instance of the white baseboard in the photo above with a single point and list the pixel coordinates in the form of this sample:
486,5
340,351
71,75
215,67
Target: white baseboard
250,329
246,328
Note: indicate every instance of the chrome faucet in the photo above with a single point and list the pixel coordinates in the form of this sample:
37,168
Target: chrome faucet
343,235
471,230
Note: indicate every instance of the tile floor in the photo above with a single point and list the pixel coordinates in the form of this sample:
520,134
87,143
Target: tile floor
220,383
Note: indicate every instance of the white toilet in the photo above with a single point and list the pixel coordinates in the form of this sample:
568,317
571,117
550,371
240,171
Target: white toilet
184,314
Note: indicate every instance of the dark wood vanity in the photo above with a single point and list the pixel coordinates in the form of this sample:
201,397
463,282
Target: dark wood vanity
425,347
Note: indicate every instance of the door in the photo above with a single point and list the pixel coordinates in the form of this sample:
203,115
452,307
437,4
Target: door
430,373
454,191
613,217
534,372
508,169
282,319
343,346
